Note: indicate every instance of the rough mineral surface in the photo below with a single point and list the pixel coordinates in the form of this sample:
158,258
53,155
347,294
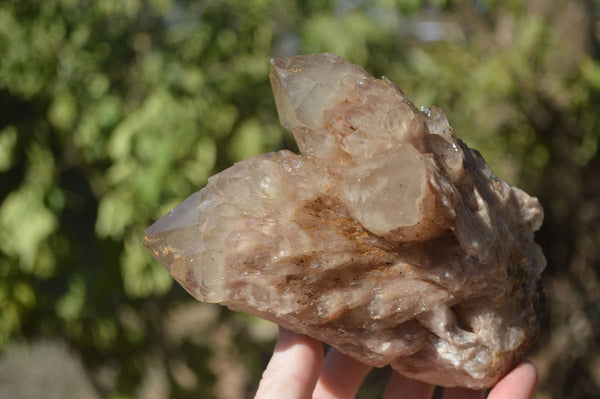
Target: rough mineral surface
388,238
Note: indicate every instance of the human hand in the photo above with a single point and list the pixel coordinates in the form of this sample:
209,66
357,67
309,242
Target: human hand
298,370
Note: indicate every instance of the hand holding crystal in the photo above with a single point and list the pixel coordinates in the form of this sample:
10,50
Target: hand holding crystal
387,238
298,370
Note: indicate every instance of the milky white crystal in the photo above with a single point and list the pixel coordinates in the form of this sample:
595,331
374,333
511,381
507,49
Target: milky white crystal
388,238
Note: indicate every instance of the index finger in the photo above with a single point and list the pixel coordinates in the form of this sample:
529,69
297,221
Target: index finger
293,369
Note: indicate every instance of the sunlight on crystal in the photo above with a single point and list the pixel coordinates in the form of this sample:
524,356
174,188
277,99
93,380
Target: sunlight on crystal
387,238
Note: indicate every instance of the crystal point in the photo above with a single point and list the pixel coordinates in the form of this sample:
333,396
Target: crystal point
388,238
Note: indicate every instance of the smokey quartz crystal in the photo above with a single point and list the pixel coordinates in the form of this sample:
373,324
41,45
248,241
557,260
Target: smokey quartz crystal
388,238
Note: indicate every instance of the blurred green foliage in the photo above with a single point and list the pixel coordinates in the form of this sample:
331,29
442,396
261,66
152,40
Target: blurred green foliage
113,111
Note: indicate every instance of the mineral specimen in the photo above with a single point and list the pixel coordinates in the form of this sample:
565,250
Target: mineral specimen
389,238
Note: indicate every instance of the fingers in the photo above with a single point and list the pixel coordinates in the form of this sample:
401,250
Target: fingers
520,383
403,387
341,377
293,369
293,372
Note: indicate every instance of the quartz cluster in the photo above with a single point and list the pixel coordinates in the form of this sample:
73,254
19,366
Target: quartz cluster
388,238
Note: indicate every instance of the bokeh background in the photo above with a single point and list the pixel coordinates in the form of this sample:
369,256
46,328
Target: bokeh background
114,111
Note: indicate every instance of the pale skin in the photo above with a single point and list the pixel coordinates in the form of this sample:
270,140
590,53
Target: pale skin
298,369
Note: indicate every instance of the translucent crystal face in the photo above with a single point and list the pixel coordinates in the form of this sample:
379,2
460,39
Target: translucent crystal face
388,238
303,88
336,110
390,195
